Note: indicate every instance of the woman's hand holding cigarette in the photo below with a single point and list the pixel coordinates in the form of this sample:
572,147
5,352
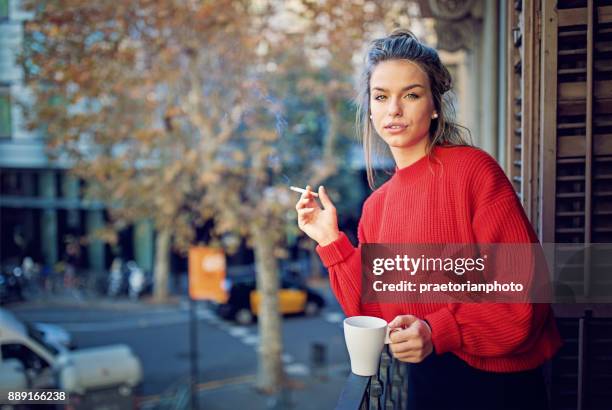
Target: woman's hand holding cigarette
320,224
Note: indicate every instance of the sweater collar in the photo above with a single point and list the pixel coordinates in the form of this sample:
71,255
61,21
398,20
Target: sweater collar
417,169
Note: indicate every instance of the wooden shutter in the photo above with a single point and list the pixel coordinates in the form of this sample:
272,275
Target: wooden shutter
523,89
576,171
576,125
515,101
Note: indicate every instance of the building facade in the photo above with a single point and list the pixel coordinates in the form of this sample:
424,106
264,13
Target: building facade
42,209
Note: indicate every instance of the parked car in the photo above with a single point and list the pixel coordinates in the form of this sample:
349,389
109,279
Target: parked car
243,298
109,372
55,335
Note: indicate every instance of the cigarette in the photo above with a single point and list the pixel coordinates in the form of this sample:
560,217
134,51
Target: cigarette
301,190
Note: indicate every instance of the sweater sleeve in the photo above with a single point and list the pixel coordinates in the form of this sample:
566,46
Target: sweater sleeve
491,330
343,261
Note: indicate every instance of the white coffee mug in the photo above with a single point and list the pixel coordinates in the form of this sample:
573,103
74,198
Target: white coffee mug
365,337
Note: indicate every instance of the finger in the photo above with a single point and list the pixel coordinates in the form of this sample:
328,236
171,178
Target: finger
304,194
325,200
394,337
308,190
403,321
414,357
305,211
303,203
403,335
308,193
406,354
410,358
407,347
393,330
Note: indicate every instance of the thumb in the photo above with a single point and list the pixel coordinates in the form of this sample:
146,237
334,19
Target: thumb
325,200
403,321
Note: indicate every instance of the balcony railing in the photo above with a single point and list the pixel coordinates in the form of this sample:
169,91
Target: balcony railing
388,389
579,376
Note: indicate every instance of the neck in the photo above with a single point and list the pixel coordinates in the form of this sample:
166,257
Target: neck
406,156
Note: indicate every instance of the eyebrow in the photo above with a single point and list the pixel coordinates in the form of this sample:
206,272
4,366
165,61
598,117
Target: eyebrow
408,87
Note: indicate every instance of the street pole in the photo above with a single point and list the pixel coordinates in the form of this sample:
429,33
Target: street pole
193,333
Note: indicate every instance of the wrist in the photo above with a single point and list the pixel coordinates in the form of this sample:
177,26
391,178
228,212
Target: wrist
329,238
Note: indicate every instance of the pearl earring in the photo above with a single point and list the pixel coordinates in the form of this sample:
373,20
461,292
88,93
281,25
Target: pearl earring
435,115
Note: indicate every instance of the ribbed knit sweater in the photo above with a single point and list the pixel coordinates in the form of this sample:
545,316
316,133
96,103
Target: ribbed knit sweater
455,195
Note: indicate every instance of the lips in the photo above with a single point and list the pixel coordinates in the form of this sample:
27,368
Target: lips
395,128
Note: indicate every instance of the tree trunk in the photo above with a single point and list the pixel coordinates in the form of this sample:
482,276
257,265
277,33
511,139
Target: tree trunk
270,366
162,266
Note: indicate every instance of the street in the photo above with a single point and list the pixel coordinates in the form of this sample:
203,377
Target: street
159,336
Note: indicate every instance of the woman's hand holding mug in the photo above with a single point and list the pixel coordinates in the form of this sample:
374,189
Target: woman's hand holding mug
410,339
320,224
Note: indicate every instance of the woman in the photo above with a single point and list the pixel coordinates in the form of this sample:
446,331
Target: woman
468,356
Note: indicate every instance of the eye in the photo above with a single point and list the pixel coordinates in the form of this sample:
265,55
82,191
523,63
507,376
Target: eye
412,96
378,97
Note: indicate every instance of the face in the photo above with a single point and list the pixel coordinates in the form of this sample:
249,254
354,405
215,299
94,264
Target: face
400,94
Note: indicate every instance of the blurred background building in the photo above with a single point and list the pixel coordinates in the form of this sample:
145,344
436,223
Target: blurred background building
42,210
41,205
534,91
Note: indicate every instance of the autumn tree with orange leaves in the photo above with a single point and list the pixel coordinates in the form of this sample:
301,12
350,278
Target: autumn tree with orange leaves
183,112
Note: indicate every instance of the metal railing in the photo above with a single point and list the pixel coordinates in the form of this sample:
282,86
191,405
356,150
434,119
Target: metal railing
578,377
387,390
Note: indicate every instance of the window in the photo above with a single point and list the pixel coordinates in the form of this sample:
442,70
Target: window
38,336
5,112
4,9
11,182
28,358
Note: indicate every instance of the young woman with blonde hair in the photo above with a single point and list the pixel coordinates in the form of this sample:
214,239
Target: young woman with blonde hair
461,356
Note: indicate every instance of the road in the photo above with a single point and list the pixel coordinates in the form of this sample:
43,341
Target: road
159,336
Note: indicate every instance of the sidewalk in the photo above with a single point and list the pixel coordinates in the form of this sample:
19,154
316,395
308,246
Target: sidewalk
307,394
75,298
303,393
72,300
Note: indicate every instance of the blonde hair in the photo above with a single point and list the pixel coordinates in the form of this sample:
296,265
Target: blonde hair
402,44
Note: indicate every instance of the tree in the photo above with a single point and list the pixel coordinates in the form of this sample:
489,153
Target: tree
159,105
122,88
176,111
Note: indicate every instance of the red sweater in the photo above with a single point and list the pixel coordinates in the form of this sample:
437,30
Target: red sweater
459,195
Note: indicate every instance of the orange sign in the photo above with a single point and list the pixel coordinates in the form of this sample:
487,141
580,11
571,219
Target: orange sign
206,274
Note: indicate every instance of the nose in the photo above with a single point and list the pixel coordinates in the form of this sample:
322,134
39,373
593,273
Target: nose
395,108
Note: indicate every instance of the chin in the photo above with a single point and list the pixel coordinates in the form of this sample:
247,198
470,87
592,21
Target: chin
400,141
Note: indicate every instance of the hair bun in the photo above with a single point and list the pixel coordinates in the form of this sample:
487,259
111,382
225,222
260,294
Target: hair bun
403,32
